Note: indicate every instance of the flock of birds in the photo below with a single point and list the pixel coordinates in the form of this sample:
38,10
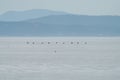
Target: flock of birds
56,42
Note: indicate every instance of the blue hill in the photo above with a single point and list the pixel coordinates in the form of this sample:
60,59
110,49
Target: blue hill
63,25
78,20
29,14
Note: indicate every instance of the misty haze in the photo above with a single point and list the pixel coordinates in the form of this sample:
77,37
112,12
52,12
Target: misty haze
59,39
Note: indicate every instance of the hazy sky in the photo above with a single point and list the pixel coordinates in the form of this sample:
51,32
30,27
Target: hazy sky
90,7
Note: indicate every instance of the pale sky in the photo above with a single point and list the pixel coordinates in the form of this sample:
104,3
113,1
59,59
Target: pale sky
87,7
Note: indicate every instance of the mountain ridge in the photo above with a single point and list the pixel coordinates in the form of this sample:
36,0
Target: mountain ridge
63,25
28,14
77,19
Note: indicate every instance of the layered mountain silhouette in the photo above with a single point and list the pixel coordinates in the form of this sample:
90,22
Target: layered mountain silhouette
62,24
29,14
70,19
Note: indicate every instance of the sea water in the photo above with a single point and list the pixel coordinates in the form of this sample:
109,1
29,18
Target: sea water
63,58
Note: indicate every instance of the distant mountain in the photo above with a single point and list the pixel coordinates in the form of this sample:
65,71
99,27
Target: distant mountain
29,14
78,20
63,25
